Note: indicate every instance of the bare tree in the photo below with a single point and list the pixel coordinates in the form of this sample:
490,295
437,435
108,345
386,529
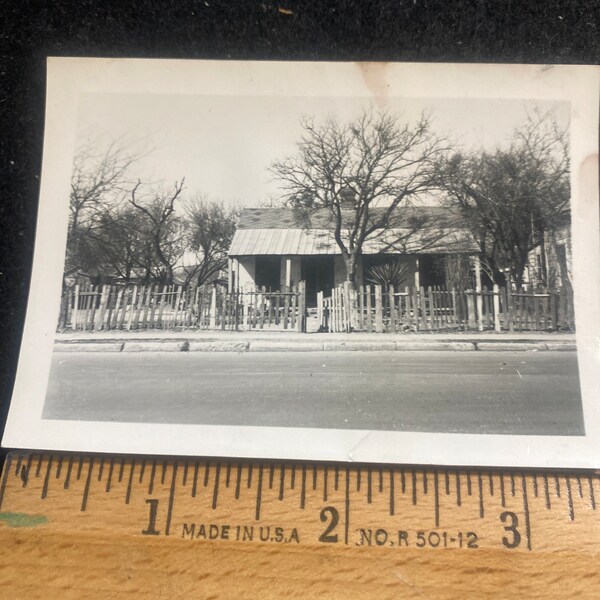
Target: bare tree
210,229
98,183
352,168
164,228
511,197
119,244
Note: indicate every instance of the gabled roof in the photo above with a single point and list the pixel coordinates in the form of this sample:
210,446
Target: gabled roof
286,218
278,231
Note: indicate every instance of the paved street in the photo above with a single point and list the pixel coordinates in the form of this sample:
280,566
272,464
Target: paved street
469,392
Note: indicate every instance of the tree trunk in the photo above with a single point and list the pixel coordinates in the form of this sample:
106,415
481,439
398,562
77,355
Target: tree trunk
351,266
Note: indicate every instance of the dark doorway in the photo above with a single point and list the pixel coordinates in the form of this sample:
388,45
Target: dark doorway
318,273
268,272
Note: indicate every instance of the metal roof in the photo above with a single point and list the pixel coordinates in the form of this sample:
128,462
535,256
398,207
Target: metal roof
298,241
287,218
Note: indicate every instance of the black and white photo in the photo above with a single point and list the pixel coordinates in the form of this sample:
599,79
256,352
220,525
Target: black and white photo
357,262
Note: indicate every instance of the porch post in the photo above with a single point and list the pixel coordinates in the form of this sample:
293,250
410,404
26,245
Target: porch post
230,275
479,297
288,273
417,274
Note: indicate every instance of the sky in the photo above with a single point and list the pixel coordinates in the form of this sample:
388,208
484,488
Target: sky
224,145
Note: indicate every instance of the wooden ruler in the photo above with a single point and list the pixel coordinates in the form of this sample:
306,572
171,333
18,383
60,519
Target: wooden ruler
84,526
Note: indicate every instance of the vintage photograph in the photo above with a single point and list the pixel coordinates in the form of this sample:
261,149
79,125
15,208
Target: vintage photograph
385,252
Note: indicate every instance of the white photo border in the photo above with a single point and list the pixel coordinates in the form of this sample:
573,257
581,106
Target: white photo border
70,78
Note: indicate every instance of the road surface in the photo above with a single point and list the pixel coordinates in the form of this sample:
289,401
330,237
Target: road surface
468,392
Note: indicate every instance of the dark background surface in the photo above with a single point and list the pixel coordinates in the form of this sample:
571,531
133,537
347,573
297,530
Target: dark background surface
537,31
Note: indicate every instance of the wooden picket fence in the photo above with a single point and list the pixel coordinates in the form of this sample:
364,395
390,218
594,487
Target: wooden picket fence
435,308
135,307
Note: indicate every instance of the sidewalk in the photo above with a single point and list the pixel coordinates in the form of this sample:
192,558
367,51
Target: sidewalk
291,341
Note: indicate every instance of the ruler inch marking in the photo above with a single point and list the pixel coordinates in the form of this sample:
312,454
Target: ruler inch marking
403,481
512,485
336,478
259,493
526,511
293,477
228,474
469,485
547,492
380,480
490,477
579,488
129,482
142,469
163,473
557,486
88,480
570,499
79,468
425,482
59,466
121,470
110,474
27,468
303,488
271,475
249,481
392,507
152,475
325,477
447,482
436,492
69,471
171,498
358,479
4,477
216,486
369,484
38,469
101,468
314,478
414,487
47,477
480,486
207,474
591,495
195,482
185,473
281,481
535,484
347,507
238,481
502,491
18,463
458,496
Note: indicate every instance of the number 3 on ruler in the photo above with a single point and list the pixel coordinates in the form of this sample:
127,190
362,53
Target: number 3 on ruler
327,535
512,527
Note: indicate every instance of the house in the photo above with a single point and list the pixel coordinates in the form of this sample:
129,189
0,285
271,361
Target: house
550,263
274,248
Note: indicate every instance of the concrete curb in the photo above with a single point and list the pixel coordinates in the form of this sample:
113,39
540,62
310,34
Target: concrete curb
312,346
358,346
511,346
89,347
277,346
437,346
155,347
218,346
561,346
